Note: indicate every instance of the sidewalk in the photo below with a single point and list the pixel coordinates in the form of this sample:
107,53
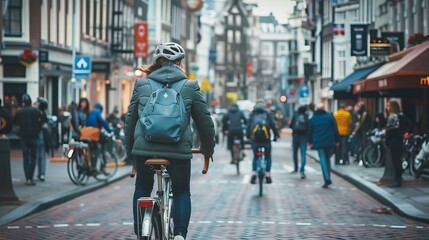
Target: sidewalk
410,200
56,189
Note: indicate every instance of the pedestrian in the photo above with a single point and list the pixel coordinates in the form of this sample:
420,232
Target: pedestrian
362,127
82,112
353,142
344,124
233,124
42,142
5,120
299,126
396,126
113,118
323,136
260,120
166,69
379,121
29,121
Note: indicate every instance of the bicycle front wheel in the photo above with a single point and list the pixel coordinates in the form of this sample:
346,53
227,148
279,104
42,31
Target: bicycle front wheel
76,168
237,155
371,155
108,165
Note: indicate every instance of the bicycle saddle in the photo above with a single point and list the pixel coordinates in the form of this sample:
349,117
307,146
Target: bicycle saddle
157,161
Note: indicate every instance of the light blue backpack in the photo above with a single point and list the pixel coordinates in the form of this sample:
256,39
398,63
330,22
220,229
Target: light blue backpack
164,118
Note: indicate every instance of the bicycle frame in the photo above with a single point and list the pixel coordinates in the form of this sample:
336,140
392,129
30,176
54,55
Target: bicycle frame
261,167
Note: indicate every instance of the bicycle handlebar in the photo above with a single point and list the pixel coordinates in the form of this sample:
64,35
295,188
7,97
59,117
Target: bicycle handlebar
206,161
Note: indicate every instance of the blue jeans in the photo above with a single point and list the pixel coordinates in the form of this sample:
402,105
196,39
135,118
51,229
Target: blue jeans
29,151
343,148
267,146
180,174
299,142
325,162
41,155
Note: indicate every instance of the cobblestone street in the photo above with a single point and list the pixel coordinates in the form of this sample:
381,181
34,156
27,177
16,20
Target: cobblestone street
226,206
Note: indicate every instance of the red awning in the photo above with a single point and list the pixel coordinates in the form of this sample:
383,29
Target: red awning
410,71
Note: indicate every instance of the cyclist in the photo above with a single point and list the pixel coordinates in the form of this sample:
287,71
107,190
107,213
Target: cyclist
260,111
232,126
95,119
166,68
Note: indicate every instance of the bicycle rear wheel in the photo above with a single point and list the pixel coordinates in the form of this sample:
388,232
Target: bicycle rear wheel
108,165
155,230
76,168
371,155
237,155
261,177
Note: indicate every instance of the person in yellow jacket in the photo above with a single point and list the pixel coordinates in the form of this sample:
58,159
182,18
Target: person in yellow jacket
344,123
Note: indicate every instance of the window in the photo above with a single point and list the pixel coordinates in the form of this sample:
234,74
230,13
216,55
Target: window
14,70
13,19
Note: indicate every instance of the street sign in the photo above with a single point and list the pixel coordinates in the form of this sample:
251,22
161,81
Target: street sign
43,56
141,39
304,93
82,66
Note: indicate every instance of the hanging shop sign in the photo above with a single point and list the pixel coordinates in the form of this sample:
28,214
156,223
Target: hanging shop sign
359,39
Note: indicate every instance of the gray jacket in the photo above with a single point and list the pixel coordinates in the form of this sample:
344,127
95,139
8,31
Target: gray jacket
195,106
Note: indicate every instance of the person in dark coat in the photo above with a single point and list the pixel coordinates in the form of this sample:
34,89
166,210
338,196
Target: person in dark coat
29,120
299,138
166,68
323,136
232,126
42,104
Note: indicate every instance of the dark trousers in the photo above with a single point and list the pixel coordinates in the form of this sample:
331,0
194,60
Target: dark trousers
396,151
180,174
29,152
299,142
342,151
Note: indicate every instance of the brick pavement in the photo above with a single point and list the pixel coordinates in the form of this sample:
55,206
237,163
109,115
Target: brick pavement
225,206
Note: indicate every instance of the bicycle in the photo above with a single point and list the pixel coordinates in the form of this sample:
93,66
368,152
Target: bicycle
237,153
261,166
79,155
373,153
154,213
412,146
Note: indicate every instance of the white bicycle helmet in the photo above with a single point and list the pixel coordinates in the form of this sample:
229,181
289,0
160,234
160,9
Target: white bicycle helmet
169,50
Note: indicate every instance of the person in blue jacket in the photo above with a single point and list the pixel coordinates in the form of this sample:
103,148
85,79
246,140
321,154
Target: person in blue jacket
323,136
95,119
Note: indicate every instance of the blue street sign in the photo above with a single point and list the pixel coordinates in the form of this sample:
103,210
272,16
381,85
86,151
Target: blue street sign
304,91
82,66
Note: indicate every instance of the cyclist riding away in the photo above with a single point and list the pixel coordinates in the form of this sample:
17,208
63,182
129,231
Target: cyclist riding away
261,123
96,120
232,124
166,71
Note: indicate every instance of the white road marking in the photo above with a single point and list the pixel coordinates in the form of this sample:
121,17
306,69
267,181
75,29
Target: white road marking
204,221
43,226
78,225
28,227
61,225
378,225
303,224
268,222
127,223
12,227
93,224
398,226
246,178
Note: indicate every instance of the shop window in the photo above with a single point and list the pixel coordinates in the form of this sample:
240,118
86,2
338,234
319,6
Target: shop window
13,19
13,70
12,96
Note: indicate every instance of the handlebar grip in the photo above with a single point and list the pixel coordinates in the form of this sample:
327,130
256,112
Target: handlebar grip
206,161
206,165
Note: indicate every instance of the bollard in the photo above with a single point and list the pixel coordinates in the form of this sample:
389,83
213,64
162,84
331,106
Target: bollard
7,194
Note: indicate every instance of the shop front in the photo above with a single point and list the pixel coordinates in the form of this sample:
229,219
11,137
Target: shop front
404,77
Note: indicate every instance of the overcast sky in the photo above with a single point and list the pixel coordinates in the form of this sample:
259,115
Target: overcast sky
280,8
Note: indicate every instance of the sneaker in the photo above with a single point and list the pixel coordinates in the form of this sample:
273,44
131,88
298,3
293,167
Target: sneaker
253,179
268,179
42,178
325,185
302,175
179,237
293,172
30,183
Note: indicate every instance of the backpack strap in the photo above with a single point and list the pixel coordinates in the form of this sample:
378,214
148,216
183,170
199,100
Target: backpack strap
179,85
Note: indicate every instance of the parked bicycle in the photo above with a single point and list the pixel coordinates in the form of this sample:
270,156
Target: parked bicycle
412,146
79,154
421,161
119,143
373,153
154,213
